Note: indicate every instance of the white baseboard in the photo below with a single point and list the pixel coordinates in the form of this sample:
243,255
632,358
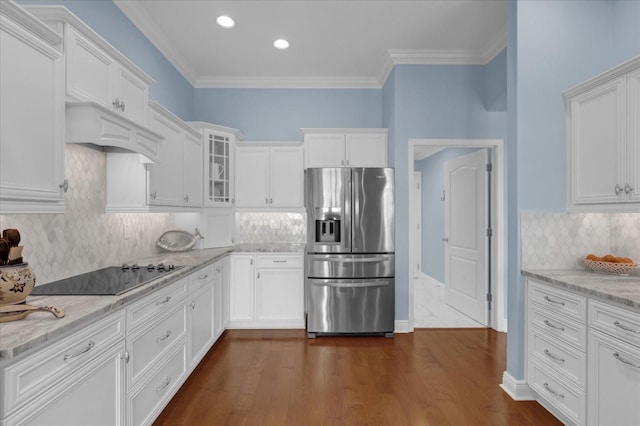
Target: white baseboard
518,390
401,326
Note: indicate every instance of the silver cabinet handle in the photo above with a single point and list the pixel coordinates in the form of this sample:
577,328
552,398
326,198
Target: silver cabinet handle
122,106
116,103
552,356
64,185
445,239
279,261
250,261
186,198
618,189
617,356
628,189
203,277
270,200
548,388
162,302
164,384
165,337
193,304
555,302
258,274
625,328
548,324
89,346
125,357
153,195
266,201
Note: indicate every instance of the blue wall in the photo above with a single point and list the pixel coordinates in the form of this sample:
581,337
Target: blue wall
170,89
556,45
279,114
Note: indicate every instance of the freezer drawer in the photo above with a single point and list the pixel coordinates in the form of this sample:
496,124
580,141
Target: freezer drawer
350,266
350,306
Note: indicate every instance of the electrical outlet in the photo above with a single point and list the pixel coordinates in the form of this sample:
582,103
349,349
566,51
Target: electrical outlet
126,229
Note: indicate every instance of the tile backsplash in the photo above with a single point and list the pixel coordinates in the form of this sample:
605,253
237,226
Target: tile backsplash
85,238
561,240
270,228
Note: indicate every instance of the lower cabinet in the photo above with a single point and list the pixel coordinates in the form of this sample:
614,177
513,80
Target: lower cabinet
201,313
266,291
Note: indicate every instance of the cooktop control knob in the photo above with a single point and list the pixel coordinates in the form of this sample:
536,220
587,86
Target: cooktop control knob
150,267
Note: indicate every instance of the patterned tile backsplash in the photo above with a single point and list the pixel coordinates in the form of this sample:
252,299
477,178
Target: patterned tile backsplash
561,240
270,228
85,238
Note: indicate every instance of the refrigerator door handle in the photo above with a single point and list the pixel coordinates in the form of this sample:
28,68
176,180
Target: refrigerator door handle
350,284
355,260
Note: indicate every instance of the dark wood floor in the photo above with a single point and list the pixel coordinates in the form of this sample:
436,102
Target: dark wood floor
278,377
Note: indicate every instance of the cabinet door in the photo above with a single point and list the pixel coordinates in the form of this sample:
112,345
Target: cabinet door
241,287
252,176
597,145
366,150
165,177
279,295
192,170
31,122
219,168
613,381
88,70
226,290
91,396
286,177
633,136
324,150
218,302
132,94
201,318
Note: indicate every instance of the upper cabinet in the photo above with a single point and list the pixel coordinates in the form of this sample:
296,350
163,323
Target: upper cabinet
345,147
31,115
603,141
219,163
269,176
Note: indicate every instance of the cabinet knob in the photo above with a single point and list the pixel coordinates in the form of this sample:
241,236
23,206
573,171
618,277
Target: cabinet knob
64,185
270,200
628,189
122,106
258,274
186,198
266,201
152,195
618,189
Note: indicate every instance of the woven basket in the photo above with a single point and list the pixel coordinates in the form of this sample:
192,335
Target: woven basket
609,267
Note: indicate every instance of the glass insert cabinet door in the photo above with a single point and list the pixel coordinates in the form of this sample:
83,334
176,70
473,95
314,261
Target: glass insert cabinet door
219,160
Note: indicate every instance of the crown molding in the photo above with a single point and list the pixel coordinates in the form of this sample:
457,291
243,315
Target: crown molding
257,82
494,47
140,18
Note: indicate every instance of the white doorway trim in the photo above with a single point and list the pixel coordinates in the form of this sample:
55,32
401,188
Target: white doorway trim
416,232
498,244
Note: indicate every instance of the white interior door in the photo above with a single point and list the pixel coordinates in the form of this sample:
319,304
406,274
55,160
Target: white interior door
416,232
466,241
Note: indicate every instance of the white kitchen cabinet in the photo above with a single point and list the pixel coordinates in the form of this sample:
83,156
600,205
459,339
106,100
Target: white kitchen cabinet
31,113
603,141
219,163
269,176
345,147
202,312
224,266
220,294
266,291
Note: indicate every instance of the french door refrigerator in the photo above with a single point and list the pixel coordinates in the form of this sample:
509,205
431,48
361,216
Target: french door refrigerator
350,251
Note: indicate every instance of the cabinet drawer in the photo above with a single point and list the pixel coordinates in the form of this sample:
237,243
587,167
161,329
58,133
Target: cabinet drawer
279,261
559,301
613,320
559,327
146,402
25,379
200,278
569,401
155,304
150,344
571,363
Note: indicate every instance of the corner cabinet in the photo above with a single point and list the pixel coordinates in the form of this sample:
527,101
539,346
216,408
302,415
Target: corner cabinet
219,163
345,147
603,141
269,176
32,87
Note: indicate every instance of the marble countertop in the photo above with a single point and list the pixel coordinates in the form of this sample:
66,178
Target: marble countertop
619,289
19,336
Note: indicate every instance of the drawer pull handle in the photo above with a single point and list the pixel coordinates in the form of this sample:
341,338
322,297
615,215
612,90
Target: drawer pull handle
164,384
203,277
555,327
548,388
625,328
555,302
165,300
165,337
617,356
90,345
193,304
552,356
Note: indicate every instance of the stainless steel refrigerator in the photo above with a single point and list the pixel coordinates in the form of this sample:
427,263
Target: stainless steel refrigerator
350,260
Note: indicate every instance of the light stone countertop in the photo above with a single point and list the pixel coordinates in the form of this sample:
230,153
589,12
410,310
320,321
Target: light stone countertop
619,289
40,327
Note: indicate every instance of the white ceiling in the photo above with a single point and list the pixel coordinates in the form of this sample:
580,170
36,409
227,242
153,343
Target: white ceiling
334,43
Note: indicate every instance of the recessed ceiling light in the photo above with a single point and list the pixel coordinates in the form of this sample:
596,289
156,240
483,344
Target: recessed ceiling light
281,43
225,21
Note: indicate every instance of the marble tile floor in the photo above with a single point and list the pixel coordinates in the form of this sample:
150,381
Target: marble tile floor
430,310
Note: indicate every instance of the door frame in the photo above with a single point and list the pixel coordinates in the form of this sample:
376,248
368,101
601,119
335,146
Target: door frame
416,196
498,316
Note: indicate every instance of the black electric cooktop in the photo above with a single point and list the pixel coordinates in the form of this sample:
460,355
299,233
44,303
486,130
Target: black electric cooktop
113,280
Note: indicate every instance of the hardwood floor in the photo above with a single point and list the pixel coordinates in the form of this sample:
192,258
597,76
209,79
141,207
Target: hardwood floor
279,377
